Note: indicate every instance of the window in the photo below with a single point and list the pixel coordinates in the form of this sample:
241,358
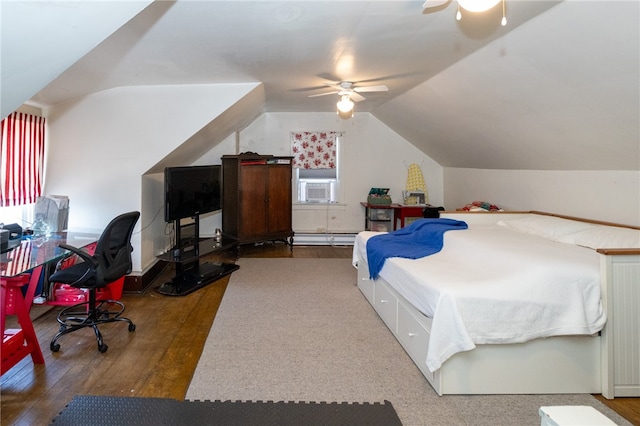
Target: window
22,215
21,159
316,166
316,190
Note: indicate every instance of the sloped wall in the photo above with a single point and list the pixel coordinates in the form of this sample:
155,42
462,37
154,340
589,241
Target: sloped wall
611,196
55,33
100,146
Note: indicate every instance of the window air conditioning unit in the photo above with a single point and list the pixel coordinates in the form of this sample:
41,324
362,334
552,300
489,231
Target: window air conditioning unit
318,192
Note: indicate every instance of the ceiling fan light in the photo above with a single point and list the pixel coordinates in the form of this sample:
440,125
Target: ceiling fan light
477,5
345,104
345,115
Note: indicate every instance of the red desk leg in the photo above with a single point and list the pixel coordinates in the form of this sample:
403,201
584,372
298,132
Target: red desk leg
401,213
18,343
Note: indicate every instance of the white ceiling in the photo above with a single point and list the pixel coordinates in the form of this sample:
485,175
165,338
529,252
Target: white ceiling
557,88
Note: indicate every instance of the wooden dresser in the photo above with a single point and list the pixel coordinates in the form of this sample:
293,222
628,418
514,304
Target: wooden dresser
256,197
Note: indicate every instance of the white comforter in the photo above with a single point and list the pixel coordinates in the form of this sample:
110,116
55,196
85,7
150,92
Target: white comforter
493,285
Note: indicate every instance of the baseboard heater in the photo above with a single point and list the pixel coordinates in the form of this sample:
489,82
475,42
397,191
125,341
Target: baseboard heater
324,239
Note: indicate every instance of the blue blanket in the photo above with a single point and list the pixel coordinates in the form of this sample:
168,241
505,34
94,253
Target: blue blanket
421,238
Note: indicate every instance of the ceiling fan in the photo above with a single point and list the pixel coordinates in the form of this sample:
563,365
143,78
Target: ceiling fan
350,89
469,5
428,4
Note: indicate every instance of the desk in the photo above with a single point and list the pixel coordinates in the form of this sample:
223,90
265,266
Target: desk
37,251
23,266
385,217
403,212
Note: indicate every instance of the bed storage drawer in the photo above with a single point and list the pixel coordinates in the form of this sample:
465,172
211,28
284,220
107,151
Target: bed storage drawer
414,337
386,304
365,284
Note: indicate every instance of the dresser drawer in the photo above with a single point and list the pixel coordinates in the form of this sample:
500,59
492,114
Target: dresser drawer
365,284
380,214
386,304
414,337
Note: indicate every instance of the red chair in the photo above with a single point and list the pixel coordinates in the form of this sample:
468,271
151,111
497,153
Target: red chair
18,343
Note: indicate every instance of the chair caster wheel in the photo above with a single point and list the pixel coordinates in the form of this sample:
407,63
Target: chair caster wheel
132,327
55,347
103,348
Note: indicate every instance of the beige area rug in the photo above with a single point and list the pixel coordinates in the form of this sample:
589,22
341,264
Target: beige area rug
292,329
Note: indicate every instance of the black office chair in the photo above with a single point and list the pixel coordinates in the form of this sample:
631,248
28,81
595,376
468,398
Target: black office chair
432,212
110,261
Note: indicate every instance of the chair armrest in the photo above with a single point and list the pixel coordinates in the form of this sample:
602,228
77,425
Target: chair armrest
83,254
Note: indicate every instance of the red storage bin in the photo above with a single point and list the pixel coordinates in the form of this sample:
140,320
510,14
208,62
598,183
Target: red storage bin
64,293
113,291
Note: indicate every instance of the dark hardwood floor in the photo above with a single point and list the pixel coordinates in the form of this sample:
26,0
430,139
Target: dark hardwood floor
157,360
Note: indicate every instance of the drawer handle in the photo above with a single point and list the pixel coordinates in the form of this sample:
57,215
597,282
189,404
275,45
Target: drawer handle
413,334
384,301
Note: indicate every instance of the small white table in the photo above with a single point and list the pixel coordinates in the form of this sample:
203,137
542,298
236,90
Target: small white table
573,415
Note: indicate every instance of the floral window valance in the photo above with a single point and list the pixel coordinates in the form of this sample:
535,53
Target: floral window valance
314,150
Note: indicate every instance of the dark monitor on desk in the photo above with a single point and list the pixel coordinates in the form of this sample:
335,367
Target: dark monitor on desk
10,236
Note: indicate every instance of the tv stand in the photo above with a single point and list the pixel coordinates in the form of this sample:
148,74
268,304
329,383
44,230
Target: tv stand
191,274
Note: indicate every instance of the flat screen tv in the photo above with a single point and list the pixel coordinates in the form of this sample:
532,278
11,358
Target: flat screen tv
192,190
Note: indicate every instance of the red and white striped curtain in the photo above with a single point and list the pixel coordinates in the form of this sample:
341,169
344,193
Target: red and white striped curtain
314,150
21,159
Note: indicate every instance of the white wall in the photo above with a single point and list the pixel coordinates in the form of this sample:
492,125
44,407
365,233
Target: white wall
372,156
611,196
100,146
101,149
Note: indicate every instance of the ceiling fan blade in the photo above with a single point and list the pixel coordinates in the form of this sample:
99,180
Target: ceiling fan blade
306,89
330,77
335,86
384,78
356,97
434,3
322,94
381,88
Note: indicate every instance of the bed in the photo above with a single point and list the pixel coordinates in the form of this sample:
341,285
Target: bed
516,303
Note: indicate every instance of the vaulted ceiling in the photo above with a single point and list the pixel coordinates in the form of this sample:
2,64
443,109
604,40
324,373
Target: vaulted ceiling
557,88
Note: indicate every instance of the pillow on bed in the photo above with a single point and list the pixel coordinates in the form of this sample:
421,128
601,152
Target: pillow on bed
550,227
600,236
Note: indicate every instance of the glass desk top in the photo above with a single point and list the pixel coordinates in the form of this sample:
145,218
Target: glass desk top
33,251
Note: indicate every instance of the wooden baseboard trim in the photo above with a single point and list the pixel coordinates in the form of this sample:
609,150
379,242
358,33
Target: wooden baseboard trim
139,283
